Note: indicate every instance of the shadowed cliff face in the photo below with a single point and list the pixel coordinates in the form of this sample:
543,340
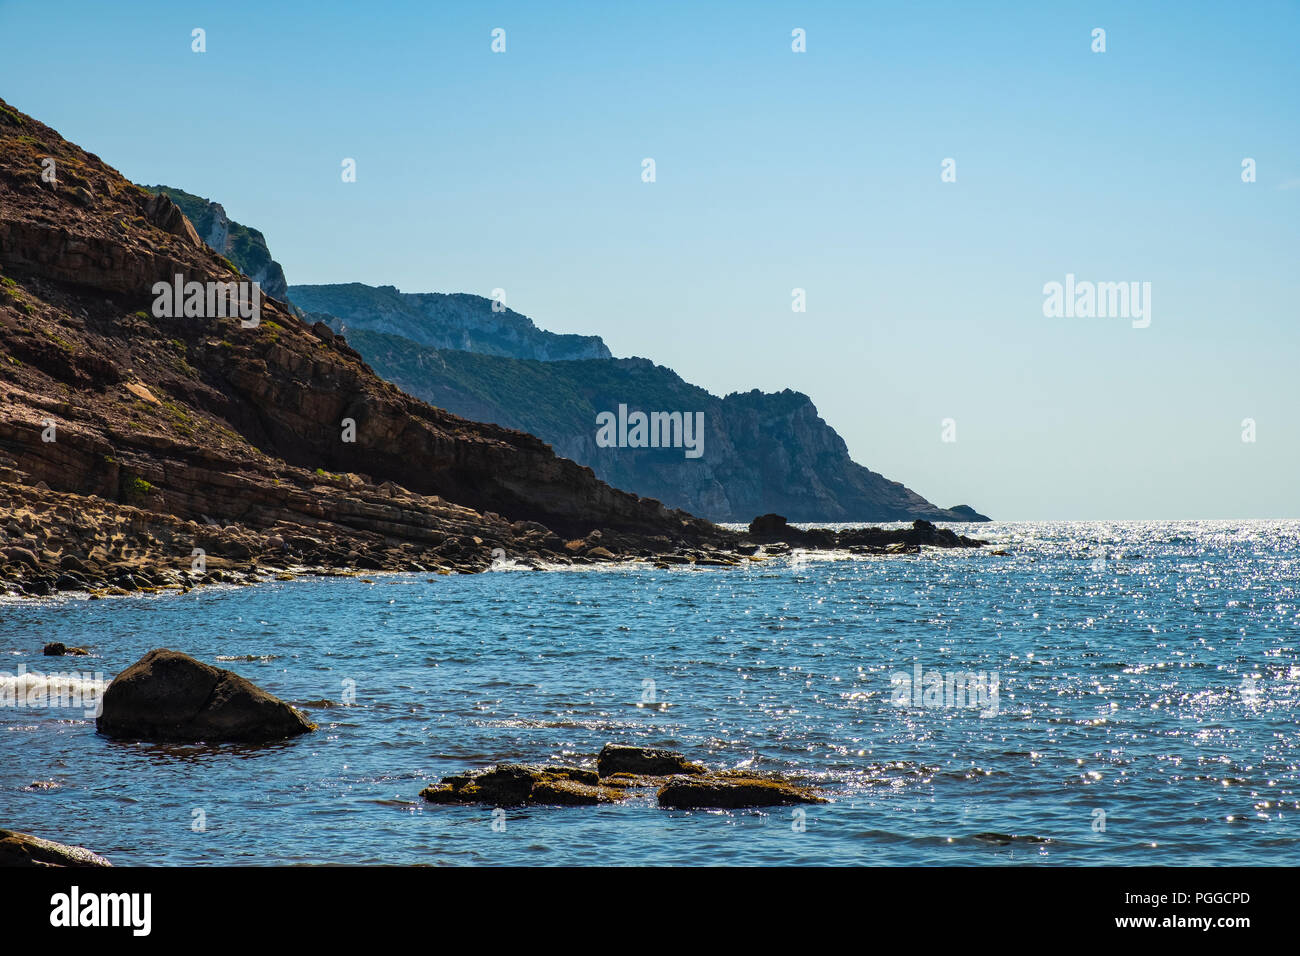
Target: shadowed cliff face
761,452
200,417
765,452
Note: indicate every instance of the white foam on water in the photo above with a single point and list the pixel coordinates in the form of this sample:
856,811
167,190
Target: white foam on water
33,689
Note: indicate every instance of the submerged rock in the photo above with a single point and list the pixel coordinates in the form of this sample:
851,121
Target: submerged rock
734,789
643,762
519,784
23,849
1005,839
169,696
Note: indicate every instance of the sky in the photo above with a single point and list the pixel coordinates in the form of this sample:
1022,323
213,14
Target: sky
778,170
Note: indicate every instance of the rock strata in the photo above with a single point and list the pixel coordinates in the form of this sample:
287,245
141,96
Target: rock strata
144,435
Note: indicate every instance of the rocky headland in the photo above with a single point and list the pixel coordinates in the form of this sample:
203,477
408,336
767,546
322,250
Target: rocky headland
763,451
140,451
128,441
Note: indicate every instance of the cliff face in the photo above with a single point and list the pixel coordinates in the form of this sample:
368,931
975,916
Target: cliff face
242,245
200,419
761,452
456,321
765,452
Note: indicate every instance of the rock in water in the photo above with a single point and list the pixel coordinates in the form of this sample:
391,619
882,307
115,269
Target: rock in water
59,649
169,696
769,525
510,785
23,849
732,789
643,762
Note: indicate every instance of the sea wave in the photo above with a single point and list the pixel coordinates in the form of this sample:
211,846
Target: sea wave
54,690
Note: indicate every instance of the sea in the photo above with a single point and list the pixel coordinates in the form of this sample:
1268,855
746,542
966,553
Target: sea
1104,693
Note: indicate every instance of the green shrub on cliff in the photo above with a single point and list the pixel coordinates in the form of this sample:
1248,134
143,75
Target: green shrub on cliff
137,487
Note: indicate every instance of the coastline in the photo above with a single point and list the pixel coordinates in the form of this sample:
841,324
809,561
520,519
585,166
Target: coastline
54,542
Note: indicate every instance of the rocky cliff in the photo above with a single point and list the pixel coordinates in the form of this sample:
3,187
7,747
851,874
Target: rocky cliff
244,246
766,452
123,432
454,321
762,452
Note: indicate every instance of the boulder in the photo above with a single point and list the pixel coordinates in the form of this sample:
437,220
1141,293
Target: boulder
643,762
734,789
23,849
70,562
166,215
59,649
512,785
169,696
25,556
768,526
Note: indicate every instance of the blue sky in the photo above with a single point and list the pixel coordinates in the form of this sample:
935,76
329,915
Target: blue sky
778,170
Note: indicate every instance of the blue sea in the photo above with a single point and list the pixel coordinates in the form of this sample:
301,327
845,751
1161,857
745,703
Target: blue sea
1141,682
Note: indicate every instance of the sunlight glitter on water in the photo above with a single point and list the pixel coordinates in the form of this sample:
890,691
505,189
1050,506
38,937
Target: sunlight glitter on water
1147,670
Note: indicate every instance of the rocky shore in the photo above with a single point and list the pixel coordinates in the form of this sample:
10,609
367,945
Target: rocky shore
52,542
146,449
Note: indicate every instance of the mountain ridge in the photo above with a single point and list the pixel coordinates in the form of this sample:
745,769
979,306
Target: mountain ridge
765,452
452,320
